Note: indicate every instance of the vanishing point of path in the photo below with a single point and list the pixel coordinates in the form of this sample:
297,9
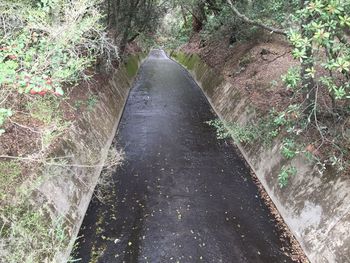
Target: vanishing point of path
181,195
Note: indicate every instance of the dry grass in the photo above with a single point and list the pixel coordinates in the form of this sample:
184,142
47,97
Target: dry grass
105,181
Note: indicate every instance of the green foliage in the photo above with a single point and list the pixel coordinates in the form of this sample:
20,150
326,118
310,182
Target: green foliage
92,102
57,41
224,130
280,119
325,24
4,113
180,38
284,175
319,87
46,46
265,131
289,150
221,131
216,21
292,79
266,12
320,41
36,65
146,42
47,111
131,19
216,15
174,31
271,12
78,104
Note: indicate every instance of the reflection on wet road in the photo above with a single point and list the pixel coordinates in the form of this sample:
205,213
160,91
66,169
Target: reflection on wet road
181,195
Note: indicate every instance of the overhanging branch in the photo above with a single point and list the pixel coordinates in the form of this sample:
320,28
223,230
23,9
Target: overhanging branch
255,23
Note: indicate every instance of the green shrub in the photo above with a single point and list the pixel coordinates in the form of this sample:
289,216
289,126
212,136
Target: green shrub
292,79
225,130
56,42
284,175
289,150
324,28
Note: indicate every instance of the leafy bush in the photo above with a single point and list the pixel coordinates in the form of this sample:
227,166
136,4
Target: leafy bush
286,122
225,130
321,44
216,21
284,175
292,79
266,12
325,24
289,150
265,131
56,42
272,12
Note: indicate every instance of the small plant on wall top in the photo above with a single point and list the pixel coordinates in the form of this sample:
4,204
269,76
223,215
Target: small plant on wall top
285,174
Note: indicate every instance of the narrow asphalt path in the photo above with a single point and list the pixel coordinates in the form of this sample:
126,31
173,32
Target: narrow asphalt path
181,194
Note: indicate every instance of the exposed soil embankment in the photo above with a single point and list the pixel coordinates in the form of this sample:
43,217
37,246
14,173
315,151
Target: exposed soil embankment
243,82
253,67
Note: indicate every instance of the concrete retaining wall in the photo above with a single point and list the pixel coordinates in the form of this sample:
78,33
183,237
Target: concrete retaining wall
316,208
68,190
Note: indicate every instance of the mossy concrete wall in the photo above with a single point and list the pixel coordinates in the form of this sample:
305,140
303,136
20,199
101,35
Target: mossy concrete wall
316,208
67,189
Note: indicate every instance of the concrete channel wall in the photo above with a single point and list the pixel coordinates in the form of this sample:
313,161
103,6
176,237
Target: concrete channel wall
67,190
316,208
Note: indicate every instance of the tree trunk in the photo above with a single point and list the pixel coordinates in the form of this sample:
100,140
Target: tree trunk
199,17
183,13
125,37
308,81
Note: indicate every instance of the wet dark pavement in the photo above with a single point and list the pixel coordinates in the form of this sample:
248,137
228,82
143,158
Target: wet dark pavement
181,194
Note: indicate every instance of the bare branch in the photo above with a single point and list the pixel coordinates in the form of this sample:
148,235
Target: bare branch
255,23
